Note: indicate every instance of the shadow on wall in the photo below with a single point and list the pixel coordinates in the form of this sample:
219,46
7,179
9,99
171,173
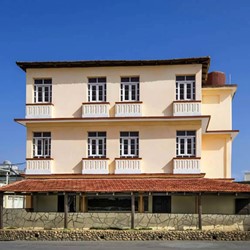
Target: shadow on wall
78,113
168,111
168,168
77,169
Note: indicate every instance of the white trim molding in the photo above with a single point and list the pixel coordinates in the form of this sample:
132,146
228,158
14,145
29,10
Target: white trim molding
127,166
95,166
187,165
39,166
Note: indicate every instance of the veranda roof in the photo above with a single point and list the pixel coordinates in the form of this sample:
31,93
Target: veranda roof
127,185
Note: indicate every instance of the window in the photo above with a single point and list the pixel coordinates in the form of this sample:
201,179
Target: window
185,87
41,144
97,144
185,143
129,144
97,89
42,90
130,89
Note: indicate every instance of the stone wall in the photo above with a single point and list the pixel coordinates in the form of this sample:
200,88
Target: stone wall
19,218
124,235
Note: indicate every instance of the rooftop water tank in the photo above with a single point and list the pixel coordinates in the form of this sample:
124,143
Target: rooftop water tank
216,78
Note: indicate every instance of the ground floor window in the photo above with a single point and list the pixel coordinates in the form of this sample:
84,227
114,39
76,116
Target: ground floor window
122,204
161,204
71,203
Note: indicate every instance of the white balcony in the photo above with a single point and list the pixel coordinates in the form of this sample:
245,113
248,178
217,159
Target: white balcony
39,166
39,110
95,109
186,108
123,109
187,166
127,166
95,166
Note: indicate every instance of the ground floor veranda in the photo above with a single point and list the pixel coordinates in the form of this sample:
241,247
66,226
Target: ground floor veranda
155,201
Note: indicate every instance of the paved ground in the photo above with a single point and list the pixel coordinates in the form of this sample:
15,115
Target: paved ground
118,245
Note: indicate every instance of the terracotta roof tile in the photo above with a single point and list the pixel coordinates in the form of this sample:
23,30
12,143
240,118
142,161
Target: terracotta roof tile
126,185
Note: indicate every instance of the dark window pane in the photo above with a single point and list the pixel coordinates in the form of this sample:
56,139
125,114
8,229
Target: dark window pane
92,134
103,134
102,79
134,133
190,78
134,79
124,134
38,81
125,79
37,134
179,133
190,132
46,134
92,80
180,78
47,81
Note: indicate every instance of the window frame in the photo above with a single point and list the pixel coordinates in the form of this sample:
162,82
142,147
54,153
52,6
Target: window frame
94,140
44,142
189,91
183,143
130,140
97,84
132,97
40,90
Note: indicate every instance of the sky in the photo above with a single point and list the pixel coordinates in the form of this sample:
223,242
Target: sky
54,30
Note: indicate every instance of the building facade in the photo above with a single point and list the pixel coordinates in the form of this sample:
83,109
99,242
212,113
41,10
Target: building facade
103,130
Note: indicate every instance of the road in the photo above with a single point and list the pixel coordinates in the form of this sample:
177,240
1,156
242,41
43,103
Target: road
124,245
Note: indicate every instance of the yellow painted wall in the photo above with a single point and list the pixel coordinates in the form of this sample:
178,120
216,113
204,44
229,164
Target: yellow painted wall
45,203
218,204
183,204
217,102
157,146
216,156
157,86
210,204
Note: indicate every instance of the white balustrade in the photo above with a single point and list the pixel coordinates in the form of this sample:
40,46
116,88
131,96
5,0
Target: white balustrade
127,166
95,110
128,109
186,166
95,166
39,166
39,111
187,108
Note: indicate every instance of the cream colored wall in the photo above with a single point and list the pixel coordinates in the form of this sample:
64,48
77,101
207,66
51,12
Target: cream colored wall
218,204
48,203
157,86
216,156
210,204
217,102
183,204
45,203
157,145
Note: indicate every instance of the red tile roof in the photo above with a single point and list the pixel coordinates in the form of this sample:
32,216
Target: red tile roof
127,185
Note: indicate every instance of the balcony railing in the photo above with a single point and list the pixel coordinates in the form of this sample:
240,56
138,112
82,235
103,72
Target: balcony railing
95,109
127,166
39,110
95,166
123,109
39,166
187,166
186,108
